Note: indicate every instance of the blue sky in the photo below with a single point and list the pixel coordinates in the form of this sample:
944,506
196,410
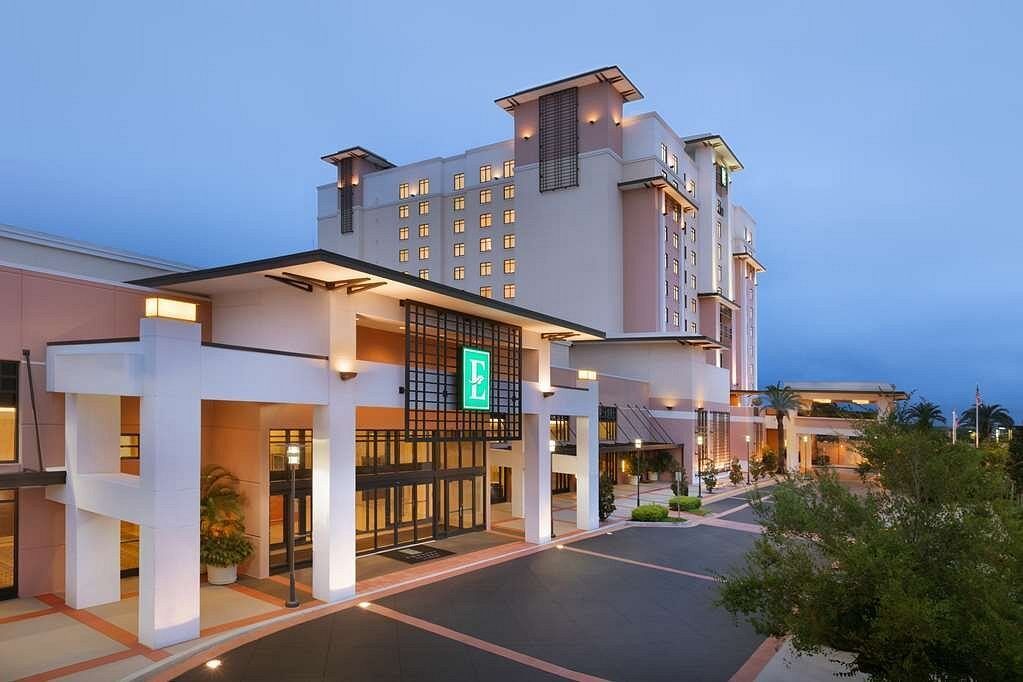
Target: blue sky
881,142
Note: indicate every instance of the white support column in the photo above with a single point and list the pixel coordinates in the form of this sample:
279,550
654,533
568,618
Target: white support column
518,489
334,464
791,443
170,416
536,435
92,555
543,354
587,452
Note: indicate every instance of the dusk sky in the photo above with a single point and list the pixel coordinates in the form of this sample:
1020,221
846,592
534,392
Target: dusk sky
882,143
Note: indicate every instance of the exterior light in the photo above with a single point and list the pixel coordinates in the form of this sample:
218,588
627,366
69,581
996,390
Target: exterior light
592,121
294,453
823,401
364,604
170,309
587,375
551,446
861,402
638,443
617,123
345,376
699,440
213,663
806,439
560,546
748,439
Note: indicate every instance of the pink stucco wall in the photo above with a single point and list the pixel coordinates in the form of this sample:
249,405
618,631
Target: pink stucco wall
641,254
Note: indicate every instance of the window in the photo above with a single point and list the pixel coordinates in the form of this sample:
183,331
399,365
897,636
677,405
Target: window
674,265
724,176
692,304
719,276
691,185
486,244
717,229
424,208
403,211
459,249
403,256
749,236
664,153
458,226
509,266
485,196
424,252
424,230
458,203
674,292
676,213
509,291
486,292
486,173
486,219
458,181
509,216
718,249
509,168
129,446
692,281
674,317
403,233
424,274
509,191
459,272
692,327
674,240
403,191
424,186
9,411
692,257
486,267
666,315
673,163
559,140
509,241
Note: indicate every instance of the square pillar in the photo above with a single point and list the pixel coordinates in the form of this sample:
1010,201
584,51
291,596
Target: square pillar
587,453
170,424
334,463
92,555
536,436
518,490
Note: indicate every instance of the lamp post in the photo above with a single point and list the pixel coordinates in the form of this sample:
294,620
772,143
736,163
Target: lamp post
699,466
638,443
294,452
747,458
551,447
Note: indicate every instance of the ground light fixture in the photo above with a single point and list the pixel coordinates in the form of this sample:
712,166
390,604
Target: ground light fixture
638,443
748,439
364,604
699,466
294,452
551,446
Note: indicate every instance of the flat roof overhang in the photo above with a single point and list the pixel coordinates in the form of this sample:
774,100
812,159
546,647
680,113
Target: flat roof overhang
334,270
660,182
751,259
357,153
696,340
720,147
720,298
896,394
607,74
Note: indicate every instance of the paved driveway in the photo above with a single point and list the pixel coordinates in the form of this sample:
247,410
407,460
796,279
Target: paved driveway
633,605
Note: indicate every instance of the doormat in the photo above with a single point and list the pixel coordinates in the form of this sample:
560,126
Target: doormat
416,555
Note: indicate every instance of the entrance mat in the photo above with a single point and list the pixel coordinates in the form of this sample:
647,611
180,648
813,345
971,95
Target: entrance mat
416,555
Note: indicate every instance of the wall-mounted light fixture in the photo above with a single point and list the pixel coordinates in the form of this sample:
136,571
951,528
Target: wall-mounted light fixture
171,309
618,124
592,121
548,394
345,376
587,375
551,446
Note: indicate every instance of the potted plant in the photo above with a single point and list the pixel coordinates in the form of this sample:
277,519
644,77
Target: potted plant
710,479
660,461
636,466
222,541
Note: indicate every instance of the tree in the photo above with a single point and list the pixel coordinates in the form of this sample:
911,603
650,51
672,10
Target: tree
606,506
925,414
991,416
781,399
918,578
1014,464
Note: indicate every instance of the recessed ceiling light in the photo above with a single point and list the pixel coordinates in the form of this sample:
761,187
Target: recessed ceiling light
213,663
364,604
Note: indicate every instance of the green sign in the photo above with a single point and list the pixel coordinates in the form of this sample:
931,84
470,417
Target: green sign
475,377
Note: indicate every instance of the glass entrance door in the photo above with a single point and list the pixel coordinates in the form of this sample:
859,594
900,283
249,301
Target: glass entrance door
461,505
8,544
393,515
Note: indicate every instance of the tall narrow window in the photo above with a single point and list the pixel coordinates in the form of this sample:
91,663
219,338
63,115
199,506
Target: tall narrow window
424,253
458,181
424,208
424,230
486,292
458,225
509,191
559,140
674,292
509,266
458,203
486,219
403,191
509,168
9,411
509,290
424,274
509,241
403,256
509,216
485,196
403,211
459,249
664,153
674,265
486,244
403,233
458,272
486,267
424,186
486,173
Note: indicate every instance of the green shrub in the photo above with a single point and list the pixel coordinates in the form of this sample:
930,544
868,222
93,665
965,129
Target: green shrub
225,550
607,498
650,512
735,473
684,503
710,480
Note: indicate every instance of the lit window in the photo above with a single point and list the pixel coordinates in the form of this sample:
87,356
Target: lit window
674,317
459,248
486,267
486,219
486,244
403,211
692,257
664,153
673,165
509,191
509,216
674,292
509,291
424,208
509,241
691,186
403,233
509,168
458,203
718,249
458,226
403,190
459,272
424,274
717,229
692,305
692,327
459,181
486,292
486,173
403,256
692,281
424,230
719,275
674,265
674,240
424,253
509,266
424,186
485,196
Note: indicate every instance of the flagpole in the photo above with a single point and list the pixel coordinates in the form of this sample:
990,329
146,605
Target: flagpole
955,427
976,420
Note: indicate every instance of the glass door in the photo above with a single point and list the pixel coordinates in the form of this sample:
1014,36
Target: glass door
8,544
461,506
394,515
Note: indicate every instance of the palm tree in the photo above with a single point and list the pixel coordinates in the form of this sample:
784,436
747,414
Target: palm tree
925,414
781,399
991,415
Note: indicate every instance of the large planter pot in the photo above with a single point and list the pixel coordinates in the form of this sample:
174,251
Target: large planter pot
633,480
221,575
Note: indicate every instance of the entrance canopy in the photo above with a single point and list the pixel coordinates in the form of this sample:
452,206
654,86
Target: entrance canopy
321,269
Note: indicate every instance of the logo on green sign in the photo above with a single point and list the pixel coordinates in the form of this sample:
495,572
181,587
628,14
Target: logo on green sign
475,379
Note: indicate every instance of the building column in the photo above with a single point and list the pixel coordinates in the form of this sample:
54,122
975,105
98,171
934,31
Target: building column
170,425
334,464
92,555
791,444
518,483
587,453
536,436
